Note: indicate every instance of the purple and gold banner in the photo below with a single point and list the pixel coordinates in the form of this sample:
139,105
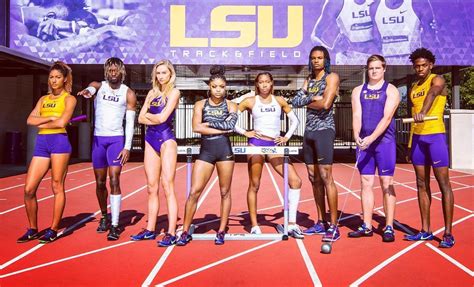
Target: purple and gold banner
240,32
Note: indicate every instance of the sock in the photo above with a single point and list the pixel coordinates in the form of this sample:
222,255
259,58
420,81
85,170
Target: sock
115,200
293,200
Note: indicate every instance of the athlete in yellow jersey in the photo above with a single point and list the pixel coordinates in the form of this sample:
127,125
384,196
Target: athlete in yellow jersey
51,114
428,144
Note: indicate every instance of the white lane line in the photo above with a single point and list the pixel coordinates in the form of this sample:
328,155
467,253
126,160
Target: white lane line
400,253
46,178
451,259
68,229
65,259
217,263
167,253
304,253
66,191
456,205
158,266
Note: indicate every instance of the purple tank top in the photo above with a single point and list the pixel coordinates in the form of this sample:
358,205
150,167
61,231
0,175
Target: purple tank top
155,108
373,104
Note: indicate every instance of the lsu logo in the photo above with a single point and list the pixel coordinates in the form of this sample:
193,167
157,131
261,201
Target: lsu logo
360,14
313,90
393,20
419,94
374,96
49,105
239,150
110,98
214,112
247,30
267,109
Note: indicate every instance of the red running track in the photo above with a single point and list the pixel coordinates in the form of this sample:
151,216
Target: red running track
81,257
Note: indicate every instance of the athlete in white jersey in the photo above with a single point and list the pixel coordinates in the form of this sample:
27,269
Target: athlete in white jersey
354,40
403,26
266,111
111,149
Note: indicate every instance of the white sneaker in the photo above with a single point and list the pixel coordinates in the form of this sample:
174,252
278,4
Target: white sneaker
255,230
295,231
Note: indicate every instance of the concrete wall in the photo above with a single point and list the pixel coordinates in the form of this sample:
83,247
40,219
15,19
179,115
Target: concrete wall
16,103
462,139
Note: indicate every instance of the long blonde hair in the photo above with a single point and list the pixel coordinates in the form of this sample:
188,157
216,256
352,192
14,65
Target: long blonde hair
157,88
66,71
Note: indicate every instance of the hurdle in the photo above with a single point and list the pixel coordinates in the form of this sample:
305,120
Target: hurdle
189,151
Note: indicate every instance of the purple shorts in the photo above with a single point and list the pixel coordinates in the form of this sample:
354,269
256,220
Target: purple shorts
52,143
260,142
105,151
156,139
430,150
381,155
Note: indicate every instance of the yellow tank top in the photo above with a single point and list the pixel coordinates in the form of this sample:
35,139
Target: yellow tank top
417,97
53,108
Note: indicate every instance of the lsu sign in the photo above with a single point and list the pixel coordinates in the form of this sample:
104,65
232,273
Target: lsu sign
259,31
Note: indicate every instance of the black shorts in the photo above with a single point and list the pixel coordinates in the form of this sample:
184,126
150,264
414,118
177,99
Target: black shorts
216,149
318,146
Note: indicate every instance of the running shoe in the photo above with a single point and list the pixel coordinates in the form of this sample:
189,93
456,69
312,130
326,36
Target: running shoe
145,234
167,240
29,235
332,234
362,231
184,239
318,228
447,242
422,235
103,225
219,240
388,234
114,233
49,236
255,230
295,231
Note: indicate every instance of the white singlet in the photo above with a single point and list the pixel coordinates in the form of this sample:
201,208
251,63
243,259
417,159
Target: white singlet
399,29
266,117
110,106
355,22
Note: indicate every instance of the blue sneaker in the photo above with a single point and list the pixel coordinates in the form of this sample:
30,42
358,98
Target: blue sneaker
332,234
167,240
447,242
184,239
318,228
422,235
29,235
49,236
145,234
362,231
219,240
388,234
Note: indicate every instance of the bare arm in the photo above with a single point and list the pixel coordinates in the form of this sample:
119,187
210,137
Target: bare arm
356,114
437,87
172,103
86,93
63,120
393,99
330,92
35,119
146,105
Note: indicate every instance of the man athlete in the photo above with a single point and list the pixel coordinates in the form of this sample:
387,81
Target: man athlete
110,148
428,145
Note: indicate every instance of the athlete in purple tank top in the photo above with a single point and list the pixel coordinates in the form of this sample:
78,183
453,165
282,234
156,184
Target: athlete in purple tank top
373,106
